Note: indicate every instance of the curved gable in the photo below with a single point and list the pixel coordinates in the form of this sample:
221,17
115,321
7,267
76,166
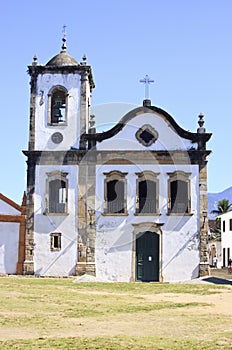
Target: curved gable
166,131
134,115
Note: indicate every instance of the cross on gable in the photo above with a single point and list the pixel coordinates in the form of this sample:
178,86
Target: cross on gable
146,80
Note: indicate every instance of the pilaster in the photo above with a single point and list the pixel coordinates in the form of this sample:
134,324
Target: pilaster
86,216
28,266
22,235
204,258
84,107
91,224
33,84
82,219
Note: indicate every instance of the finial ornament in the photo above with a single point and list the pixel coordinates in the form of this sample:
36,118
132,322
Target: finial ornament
64,38
92,120
84,60
201,129
146,80
35,60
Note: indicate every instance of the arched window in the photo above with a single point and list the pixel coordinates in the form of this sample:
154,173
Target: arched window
179,193
57,105
147,201
57,194
115,193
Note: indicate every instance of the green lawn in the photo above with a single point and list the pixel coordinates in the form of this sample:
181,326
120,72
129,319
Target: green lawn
50,313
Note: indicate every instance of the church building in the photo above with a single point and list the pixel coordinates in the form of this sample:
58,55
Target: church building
127,204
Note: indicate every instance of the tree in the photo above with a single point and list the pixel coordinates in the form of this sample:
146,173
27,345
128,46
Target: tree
223,206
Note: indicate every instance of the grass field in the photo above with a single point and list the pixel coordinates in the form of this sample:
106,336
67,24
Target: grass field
49,313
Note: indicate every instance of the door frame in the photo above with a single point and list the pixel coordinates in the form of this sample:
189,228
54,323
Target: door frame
139,229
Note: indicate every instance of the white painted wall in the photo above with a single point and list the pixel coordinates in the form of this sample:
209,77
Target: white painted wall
9,239
71,131
168,139
7,209
226,236
115,233
63,262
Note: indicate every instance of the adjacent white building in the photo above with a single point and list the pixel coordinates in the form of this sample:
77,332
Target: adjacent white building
12,235
226,237
127,204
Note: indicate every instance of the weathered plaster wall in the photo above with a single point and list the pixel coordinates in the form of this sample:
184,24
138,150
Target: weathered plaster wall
114,234
63,262
71,131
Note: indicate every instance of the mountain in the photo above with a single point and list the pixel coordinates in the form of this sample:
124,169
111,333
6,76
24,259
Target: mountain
213,198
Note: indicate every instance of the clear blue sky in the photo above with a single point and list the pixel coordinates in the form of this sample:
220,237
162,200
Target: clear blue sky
185,46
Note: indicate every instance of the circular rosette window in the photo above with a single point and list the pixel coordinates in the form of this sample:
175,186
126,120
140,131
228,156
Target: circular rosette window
57,137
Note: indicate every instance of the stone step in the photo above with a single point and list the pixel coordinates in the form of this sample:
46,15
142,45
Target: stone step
221,273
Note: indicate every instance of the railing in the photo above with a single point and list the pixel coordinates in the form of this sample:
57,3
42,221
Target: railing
57,207
116,207
179,207
147,206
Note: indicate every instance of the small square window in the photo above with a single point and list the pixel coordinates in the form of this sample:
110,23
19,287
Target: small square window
55,241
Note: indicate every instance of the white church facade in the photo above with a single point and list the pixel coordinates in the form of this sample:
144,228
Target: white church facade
127,204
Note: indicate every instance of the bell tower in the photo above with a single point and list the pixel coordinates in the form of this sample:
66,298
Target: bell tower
60,100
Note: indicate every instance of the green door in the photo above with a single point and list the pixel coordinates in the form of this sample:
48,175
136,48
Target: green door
147,257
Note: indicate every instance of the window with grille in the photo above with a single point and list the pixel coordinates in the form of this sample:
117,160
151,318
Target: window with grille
179,201
115,193
147,193
57,194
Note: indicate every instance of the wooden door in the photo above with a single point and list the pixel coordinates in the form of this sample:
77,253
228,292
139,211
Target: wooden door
147,257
